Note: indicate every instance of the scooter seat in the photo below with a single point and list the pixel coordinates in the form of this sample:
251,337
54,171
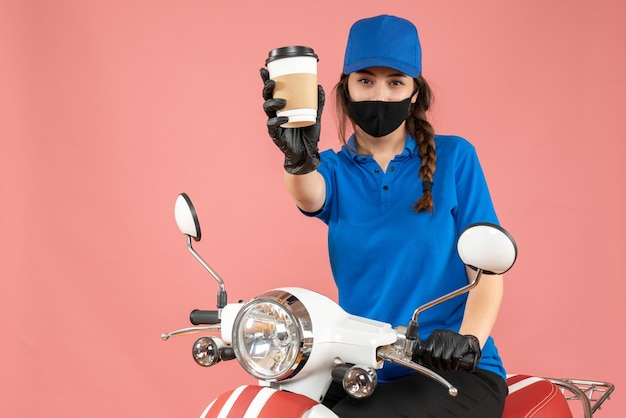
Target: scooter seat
534,397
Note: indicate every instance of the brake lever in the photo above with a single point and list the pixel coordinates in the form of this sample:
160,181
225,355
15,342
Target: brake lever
390,354
187,331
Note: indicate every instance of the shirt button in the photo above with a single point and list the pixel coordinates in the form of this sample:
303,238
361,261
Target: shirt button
385,187
392,168
376,171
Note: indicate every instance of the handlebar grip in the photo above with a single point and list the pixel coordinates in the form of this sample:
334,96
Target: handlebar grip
200,317
468,362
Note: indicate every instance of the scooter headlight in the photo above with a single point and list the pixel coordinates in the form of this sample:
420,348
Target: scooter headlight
272,336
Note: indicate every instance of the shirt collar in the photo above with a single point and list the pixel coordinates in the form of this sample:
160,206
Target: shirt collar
410,147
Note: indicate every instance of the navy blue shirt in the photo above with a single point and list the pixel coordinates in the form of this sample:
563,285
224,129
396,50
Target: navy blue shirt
386,259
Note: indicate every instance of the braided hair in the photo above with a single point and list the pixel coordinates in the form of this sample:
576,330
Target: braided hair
417,126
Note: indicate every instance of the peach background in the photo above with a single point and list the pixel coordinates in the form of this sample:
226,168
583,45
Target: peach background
109,109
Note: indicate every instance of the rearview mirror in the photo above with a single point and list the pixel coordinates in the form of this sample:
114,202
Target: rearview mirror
487,247
186,217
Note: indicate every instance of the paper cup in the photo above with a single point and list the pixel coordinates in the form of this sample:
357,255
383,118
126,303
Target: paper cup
294,70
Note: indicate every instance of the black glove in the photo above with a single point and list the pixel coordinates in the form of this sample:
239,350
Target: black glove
298,144
449,350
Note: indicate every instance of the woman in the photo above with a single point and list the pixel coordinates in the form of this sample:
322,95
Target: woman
395,199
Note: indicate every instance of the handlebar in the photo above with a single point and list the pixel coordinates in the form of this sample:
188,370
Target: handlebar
467,363
201,317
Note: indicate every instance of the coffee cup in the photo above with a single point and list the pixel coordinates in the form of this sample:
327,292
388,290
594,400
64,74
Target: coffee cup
294,71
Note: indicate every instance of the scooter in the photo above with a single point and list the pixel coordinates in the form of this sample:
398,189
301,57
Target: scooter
296,342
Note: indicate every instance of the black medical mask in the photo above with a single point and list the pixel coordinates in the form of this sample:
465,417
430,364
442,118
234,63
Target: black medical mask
378,118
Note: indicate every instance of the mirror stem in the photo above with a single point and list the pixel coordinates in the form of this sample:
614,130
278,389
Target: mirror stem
450,295
221,295
412,330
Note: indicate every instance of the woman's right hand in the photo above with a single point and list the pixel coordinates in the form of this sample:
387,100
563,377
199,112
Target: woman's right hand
449,350
299,145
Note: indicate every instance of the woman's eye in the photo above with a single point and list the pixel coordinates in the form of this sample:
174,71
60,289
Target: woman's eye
397,83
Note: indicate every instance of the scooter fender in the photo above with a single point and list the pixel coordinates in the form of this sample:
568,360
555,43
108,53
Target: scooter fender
264,402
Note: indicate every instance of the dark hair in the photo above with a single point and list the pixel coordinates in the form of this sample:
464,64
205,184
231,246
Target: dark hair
417,126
